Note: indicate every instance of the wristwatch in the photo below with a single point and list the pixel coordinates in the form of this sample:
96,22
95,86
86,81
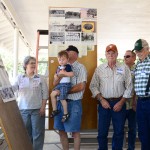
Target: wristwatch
99,99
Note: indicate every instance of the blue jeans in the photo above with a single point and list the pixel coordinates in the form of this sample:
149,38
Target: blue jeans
118,119
143,120
131,117
35,125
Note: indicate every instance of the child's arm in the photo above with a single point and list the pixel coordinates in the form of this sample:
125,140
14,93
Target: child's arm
57,79
66,74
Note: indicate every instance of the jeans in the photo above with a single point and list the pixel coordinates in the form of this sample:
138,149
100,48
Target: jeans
118,119
131,117
143,120
35,125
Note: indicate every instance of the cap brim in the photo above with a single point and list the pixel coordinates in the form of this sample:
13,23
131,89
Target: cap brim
137,48
111,50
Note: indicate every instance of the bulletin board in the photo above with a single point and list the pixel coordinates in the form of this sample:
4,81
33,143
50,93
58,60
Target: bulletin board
78,27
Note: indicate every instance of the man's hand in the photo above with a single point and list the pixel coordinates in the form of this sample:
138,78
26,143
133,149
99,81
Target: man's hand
134,106
117,107
42,111
105,104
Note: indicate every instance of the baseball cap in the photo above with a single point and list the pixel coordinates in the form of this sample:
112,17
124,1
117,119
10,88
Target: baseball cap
140,44
111,47
72,48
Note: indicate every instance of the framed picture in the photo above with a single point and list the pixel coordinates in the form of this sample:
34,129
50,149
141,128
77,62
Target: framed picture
88,26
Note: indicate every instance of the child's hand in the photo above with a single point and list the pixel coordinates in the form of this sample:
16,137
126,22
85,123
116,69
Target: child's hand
62,72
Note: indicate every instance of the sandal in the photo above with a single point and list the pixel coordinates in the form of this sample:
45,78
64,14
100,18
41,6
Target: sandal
54,113
65,117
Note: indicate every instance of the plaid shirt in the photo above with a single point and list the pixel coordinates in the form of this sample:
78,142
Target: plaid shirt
142,72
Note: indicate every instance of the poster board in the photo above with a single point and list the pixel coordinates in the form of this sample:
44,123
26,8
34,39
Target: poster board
78,27
10,118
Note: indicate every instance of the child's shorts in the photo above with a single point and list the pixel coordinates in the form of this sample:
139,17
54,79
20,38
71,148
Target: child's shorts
64,89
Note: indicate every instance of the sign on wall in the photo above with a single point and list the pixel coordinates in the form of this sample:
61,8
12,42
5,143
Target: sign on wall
72,26
6,91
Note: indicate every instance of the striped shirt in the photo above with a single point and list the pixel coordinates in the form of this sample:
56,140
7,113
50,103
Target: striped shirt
80,76
112,83
142,72
31,91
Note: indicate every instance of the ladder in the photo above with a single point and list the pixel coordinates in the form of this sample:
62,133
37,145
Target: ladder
38,62
38,47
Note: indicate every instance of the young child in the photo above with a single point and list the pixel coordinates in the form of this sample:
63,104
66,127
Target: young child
63,86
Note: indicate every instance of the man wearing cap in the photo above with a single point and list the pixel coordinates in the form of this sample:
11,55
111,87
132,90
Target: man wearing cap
129,59
78,81
111,84
142,84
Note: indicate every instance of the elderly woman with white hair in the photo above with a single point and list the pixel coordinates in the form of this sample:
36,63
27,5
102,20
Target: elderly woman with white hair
32,96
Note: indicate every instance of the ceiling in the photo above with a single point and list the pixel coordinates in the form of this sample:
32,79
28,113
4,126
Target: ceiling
119,21
6,34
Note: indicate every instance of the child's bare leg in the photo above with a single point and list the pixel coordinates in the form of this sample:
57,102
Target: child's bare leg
54,95
64,104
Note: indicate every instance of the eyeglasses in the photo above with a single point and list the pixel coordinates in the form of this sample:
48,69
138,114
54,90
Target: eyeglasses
127,56
32,63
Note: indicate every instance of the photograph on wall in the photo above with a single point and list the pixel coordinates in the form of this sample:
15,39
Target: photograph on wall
72,37
88,13
72,13
57,26
56,13
57,38
88,26
73,26
87,37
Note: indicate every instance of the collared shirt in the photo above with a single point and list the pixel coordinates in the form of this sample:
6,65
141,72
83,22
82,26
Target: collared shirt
80,76
129,101
142,72
31,91
112,83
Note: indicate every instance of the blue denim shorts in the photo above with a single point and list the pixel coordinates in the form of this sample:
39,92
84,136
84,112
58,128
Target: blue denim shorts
64,89
73,124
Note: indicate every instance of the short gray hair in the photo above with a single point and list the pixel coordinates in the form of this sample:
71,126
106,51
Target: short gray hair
26,61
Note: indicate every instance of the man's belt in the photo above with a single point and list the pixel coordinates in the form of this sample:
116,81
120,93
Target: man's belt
113,98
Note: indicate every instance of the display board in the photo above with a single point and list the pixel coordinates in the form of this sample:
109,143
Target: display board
72,26
75,26
10,118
